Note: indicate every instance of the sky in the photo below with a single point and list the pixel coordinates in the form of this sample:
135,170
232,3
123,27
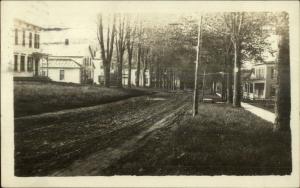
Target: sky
81,16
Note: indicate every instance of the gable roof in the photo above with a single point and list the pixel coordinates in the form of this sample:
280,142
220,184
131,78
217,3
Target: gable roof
61,63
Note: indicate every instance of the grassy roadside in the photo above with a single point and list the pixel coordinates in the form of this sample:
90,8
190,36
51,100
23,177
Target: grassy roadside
36,97
268,105
221,140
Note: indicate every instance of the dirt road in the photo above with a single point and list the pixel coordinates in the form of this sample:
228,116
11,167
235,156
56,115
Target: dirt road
85,141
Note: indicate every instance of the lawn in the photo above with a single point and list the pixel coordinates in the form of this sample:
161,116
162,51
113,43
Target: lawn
221,140
37,97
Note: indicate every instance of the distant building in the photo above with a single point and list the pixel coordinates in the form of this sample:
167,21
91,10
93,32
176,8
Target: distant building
134,77
260,83
27,49
74,69
99,69
70,60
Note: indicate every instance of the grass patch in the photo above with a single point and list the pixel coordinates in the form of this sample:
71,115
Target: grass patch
221,140
37,97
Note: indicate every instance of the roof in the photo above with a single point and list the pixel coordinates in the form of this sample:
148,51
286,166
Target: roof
265,63
61,63
17,20
67,50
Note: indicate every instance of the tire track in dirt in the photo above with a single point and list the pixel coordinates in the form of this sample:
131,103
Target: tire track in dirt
94,164
88,136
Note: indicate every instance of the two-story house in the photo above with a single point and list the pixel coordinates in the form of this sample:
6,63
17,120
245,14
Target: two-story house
260,84
70,59
27,49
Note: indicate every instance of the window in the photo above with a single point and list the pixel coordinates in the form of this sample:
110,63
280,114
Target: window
36,41
16,62
23,39
43,73
66,41
22,68
29,64
16,36
260,73
61,75
30,40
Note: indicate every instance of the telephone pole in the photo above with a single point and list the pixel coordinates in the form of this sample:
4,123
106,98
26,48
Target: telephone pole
198,62
203,84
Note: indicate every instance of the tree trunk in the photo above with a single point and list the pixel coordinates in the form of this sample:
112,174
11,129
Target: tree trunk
129,71
161,77
138,67
223,88
237,76
106,74
119,73
157,75
229,82
144,76
203,84
283,95
150,75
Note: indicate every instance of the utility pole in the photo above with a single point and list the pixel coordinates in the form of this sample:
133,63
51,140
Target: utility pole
198,61
203,84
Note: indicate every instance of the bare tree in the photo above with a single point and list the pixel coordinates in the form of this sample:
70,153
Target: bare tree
130,34
139,54
106,53
120,48
234,21
145,62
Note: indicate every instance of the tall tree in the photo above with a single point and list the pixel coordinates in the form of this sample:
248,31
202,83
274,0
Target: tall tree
120,48
130,36
283,96
139,55
234,21
248,42
106,53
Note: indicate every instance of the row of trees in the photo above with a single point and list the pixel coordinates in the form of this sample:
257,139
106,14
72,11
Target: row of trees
168,51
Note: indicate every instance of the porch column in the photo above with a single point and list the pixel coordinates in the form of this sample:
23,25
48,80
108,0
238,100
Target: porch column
254,90
265,90
248,88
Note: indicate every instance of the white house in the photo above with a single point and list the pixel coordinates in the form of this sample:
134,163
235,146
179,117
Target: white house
70,59
260,83
27,49
134,77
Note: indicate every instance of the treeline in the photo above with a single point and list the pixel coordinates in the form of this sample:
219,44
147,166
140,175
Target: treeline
165,47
